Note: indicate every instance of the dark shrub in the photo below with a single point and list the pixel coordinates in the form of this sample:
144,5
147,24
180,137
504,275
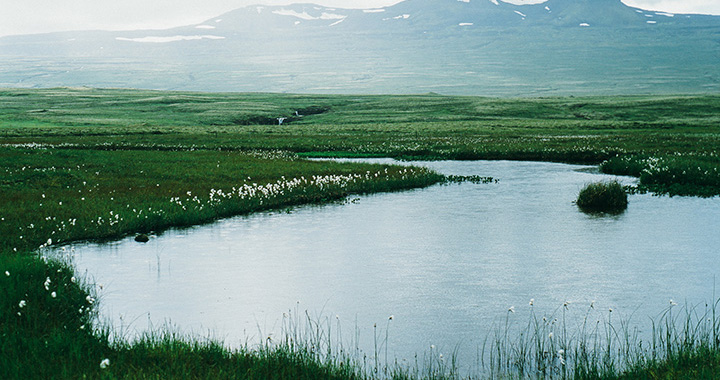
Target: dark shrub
602,197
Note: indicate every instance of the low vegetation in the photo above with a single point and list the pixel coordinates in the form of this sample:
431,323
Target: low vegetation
79,164
683,342
609,197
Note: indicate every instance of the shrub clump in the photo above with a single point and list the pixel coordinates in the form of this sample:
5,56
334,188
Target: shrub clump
607,197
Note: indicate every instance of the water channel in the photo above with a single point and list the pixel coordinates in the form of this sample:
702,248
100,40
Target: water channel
447,262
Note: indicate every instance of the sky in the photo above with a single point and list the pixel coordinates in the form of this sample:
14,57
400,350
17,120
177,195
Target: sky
41,16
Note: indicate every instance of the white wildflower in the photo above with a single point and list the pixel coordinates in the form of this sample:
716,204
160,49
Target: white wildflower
22,304
105,363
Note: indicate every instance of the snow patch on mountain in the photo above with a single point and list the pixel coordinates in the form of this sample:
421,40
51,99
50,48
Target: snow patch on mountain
306,16
158,39
466,24
373,10
204,27
293,13
332,16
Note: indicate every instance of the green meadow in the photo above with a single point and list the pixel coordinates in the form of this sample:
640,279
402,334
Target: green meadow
98,164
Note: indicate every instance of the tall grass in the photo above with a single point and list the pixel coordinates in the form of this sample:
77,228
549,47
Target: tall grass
682,341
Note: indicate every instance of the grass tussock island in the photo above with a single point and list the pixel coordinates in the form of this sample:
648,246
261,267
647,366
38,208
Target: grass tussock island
87,164
608,197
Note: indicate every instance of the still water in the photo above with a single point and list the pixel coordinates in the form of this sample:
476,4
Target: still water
447,262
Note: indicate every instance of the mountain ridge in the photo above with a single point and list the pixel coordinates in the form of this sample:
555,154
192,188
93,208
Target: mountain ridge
416,46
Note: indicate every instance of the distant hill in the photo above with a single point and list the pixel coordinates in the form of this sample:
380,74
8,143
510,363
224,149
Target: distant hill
475,47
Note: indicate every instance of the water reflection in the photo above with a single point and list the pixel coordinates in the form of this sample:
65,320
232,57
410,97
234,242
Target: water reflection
447,261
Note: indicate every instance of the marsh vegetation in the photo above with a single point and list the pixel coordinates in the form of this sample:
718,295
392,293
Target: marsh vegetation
607,197
85,164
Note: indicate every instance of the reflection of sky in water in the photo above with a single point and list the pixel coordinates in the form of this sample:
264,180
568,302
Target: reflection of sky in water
447,261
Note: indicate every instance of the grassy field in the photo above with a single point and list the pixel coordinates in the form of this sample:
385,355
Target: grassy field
670,142
92,164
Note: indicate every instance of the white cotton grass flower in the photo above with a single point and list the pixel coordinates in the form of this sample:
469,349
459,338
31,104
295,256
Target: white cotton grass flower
7,273
673,303
47,283
532,301
511,309
53,295
22,303
105,363
551,335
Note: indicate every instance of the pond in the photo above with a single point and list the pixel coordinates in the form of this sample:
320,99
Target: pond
446,262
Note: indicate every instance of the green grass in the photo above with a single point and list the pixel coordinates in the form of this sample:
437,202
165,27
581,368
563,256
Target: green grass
562,129
684,342
609,197
100,164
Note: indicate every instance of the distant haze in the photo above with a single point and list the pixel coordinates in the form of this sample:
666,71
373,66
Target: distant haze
41,16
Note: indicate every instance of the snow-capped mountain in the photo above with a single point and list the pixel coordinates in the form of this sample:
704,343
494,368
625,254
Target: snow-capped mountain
481,47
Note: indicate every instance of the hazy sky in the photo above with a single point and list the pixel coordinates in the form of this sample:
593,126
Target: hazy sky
38,16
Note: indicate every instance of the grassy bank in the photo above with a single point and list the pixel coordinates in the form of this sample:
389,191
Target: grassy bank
81,164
